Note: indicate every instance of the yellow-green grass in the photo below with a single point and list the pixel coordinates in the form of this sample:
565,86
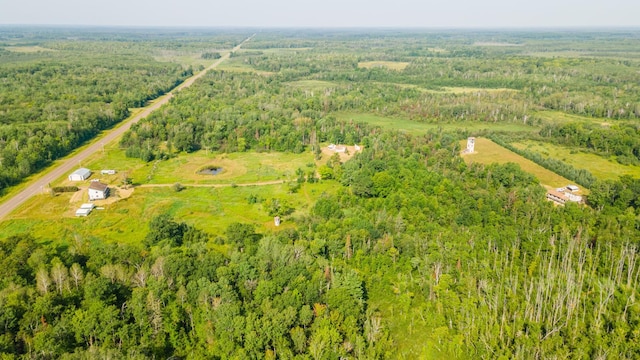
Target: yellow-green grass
239,168
50,219
453,90
391,65
602,168
558,117
487,152
417,128
27,49
312,85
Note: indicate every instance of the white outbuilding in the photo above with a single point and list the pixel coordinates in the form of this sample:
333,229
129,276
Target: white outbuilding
83,212
80,174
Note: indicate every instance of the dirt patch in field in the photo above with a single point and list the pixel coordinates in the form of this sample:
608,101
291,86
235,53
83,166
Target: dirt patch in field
327,153
78,196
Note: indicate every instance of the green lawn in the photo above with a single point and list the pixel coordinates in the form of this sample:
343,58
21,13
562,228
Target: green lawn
418,128
600,167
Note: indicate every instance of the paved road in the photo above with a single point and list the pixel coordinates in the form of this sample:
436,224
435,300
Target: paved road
70,163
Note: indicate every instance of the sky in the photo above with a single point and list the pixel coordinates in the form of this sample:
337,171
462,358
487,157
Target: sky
325,13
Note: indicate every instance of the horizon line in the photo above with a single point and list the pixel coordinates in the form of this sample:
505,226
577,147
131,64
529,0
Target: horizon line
329,27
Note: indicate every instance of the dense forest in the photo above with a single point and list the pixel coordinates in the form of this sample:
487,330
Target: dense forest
413,253
470,260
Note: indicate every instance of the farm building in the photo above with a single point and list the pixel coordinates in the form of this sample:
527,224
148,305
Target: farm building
80,174
83,212
572,188
98,191
85,209
557,197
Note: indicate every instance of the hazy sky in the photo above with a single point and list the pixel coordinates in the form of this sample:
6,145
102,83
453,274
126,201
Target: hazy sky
325,13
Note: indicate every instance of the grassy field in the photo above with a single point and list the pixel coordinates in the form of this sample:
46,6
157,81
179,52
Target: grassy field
558,117
391,65
599,166
417,128
488,152
236,167
51,218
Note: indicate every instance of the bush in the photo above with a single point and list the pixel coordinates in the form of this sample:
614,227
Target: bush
64,189
177,187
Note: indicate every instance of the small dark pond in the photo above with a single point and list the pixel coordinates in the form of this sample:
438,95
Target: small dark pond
213,170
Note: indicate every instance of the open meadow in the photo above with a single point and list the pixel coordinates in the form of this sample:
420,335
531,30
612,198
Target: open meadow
416,127
600,167
487,152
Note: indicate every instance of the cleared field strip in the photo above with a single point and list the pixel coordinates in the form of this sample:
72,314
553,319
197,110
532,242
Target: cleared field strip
488,152
391,65
600,167
418,128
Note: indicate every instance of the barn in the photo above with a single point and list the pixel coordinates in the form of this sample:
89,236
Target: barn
80,174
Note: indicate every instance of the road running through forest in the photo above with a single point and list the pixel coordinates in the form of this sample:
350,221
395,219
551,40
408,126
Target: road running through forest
48,176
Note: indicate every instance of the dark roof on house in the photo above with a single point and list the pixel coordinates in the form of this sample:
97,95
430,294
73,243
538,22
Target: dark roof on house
97,185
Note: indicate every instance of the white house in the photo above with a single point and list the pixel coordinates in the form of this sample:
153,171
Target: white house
80,174
98,191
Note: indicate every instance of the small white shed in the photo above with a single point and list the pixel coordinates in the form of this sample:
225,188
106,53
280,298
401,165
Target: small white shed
80,174
83,212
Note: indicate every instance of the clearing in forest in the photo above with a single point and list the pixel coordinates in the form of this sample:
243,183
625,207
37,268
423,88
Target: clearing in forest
312,85
418,128
559,117
391,65
487,152
602,168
